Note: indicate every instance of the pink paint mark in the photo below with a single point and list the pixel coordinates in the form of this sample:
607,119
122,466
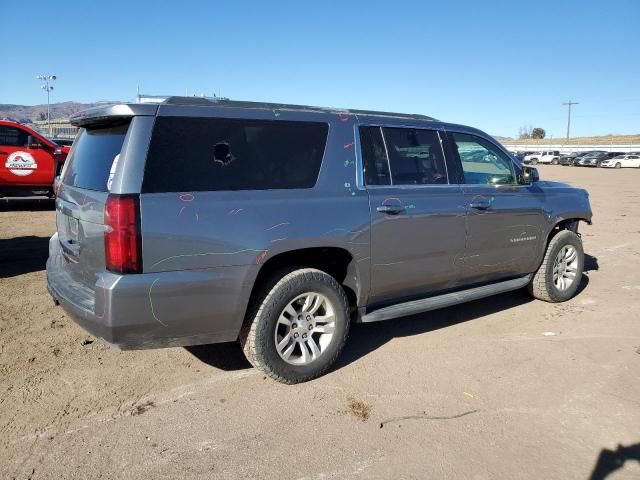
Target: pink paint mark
343,117
349,145
278,239
186,197
261,257
278,225
388,199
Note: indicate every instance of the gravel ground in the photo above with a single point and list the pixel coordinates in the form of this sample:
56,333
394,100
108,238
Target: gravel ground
505,387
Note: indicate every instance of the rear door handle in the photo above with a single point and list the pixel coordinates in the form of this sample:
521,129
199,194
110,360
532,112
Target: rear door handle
481,204
391,209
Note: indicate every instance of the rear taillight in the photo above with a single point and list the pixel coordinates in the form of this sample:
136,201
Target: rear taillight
122,240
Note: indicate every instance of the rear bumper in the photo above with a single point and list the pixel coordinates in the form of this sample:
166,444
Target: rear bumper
154,310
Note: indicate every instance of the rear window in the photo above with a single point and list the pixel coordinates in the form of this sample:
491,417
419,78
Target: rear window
91,157
210,154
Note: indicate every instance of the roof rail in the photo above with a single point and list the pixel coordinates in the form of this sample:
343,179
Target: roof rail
178,100
225,102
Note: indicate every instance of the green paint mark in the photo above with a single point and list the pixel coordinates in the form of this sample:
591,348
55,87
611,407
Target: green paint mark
206,254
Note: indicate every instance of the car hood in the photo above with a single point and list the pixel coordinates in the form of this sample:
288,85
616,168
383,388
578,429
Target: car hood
561,187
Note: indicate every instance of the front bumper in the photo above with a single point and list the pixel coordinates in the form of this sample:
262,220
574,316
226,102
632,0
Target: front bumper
154,310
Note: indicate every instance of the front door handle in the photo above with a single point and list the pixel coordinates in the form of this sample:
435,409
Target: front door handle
480,205
391,209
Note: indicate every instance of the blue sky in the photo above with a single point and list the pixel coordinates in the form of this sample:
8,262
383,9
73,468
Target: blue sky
493,65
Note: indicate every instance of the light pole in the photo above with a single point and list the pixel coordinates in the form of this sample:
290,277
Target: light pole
47,79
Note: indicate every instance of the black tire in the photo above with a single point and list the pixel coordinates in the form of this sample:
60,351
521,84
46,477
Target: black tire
618,165
542,286
554,161
257,335
534,161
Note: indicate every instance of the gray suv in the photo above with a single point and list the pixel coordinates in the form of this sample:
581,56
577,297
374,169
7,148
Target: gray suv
193,221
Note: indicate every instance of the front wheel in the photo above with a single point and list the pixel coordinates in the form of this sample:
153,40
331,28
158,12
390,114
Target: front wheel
534,161
554,161
618,165
558,277
297,326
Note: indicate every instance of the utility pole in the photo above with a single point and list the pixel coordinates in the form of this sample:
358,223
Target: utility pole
47,88
569,103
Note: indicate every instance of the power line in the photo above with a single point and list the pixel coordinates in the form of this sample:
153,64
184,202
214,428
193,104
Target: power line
569,103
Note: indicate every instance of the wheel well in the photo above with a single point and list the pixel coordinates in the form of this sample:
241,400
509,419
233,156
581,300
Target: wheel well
335,261
570,224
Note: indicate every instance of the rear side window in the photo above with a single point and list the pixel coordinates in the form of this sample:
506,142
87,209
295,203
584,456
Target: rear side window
92,156
211,154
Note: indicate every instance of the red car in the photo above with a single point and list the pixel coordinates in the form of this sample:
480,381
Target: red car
29,162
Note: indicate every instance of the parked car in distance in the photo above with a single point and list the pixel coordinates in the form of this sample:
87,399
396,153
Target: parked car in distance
595,159
548,156
567,159
622,161
582,155
277,225
29,162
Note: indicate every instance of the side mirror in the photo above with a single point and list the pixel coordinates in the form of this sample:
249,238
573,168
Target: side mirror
528,175
33,142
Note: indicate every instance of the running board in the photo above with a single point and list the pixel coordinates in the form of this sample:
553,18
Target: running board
445,300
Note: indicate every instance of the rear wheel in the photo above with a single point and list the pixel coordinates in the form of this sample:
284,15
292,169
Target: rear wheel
296,326
534,161
618,165
559,276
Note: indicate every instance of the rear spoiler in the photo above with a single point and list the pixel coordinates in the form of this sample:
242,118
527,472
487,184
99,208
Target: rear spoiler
108,114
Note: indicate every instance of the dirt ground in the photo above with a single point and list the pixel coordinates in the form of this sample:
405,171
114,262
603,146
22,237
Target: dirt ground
501,388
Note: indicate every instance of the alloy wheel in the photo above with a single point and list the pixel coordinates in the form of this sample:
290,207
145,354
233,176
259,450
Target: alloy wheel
305,328
565,267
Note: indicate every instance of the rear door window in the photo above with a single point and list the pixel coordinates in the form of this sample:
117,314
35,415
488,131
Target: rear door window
211,154
374,157
92,156
402,156
415,156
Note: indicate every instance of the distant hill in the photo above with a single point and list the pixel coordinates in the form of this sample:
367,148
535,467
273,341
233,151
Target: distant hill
31,113
595,140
